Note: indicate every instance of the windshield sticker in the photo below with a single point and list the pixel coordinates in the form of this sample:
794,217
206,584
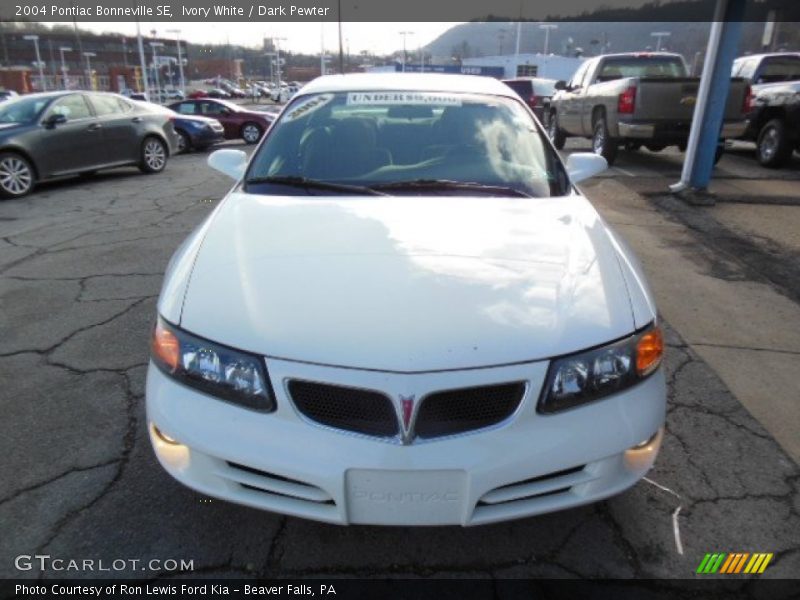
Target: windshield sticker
308,107
420,98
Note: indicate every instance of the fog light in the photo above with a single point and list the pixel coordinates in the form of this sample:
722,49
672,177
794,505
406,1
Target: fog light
164,437
172,454
642,456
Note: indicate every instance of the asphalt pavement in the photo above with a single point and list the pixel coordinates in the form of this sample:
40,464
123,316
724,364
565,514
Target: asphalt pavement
81,262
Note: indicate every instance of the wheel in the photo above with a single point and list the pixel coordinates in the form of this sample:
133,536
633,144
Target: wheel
251,132
655,147
154,155
184,143
16,175
773,148
633,146
557,136
602,144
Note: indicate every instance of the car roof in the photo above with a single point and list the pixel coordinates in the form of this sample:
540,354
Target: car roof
769,55
408,82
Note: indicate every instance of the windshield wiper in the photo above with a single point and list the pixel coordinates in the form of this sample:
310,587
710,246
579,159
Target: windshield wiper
305,183
447,184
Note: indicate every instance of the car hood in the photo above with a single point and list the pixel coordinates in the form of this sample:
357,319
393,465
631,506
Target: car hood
407,284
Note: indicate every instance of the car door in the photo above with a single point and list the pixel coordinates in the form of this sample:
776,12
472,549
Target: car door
569,118
119,128
215,110
75,144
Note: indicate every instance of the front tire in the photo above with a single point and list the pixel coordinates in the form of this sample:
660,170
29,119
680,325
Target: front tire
153,155
556,135
251,133
602,144
16,175
184,143
773,148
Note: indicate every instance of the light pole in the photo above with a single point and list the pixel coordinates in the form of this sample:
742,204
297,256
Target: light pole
142,60
61,50
177,33
404,34
277,41
270,56
547,27
88,56
155,45
35,40
658,35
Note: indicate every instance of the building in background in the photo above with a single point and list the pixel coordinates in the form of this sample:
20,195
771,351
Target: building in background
548,66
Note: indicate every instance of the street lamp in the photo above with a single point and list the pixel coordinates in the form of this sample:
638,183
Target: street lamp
61,50
547,27
88,56
39,63
404,34
155,45
658,35
177,33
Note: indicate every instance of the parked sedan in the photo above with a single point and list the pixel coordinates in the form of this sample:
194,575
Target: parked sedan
535,92
239,123
197,133
404,313
55,134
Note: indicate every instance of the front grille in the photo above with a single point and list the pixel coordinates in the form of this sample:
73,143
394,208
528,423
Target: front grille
351,409
467,409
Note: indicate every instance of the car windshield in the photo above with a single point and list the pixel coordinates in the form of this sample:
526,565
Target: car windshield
23,110
407,143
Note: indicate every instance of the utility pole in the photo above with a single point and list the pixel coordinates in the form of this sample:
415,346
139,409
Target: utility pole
155,45
341,48
659,35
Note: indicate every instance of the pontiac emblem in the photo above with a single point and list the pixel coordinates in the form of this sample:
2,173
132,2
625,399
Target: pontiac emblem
407,404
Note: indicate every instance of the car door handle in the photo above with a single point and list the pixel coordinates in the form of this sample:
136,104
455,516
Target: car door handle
95,127
136,119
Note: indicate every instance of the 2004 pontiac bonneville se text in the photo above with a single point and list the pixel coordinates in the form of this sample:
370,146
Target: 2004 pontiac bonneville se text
404,313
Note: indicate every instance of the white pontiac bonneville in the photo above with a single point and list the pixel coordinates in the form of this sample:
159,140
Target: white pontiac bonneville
404,313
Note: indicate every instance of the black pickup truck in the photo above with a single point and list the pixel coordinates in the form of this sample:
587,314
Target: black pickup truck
774,115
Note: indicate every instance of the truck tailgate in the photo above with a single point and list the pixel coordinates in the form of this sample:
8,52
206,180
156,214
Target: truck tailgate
675,99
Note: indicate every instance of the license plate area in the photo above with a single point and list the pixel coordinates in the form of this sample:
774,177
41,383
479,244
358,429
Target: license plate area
417,497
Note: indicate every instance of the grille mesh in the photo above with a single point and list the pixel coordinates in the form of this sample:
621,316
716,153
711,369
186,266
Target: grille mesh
457,411
352,409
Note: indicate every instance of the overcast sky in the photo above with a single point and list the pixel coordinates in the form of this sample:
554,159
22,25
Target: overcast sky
378,38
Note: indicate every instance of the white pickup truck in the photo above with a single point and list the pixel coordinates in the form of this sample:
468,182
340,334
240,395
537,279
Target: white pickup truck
634,100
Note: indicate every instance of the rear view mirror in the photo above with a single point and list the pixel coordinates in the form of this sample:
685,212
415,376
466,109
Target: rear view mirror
583,165
55,119
560,85
230,162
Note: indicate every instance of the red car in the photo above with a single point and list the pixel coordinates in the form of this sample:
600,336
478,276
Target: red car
239,123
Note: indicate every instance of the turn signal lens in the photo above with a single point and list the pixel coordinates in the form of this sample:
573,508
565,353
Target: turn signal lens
165,346
649,351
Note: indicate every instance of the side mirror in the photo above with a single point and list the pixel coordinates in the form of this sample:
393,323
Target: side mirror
230,162
582,165
560,84
55,119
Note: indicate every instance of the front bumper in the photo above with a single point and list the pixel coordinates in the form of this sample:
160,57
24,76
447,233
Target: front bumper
207,137
528,465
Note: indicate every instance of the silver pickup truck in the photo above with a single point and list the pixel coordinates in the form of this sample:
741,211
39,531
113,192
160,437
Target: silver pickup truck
634,100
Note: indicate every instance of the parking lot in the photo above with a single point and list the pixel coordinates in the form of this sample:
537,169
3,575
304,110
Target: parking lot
81,262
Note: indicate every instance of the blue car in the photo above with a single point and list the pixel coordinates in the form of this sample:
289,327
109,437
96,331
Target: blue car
197,133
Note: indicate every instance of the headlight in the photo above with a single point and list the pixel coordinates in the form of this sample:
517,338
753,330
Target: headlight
587,376
212,368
